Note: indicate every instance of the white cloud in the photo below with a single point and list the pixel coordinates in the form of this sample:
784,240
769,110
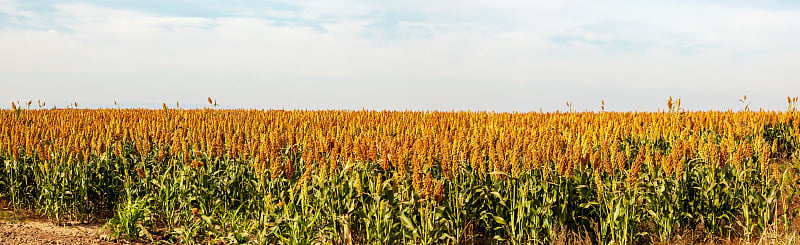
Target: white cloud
12,8
438,53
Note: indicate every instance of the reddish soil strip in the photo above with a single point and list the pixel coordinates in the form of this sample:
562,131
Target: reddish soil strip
17,228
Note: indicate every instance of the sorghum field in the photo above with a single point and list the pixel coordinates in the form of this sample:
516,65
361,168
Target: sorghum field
407,177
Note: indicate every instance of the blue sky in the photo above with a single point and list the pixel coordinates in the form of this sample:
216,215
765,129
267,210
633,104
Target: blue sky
436,55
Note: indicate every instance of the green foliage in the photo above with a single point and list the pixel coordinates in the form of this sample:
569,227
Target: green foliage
132,219
229,201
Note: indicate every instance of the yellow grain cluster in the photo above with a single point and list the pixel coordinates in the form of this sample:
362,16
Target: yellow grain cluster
281,141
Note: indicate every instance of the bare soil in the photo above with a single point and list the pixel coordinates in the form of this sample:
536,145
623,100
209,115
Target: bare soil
23,227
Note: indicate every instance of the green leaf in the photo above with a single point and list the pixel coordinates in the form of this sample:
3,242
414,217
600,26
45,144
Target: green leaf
206,219
499,220
496,195
407,223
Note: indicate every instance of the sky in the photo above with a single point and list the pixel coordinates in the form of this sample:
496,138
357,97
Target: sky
490,55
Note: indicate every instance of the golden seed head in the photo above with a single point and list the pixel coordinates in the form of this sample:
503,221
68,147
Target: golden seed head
598,180
196,164
427,186
276,168
438,192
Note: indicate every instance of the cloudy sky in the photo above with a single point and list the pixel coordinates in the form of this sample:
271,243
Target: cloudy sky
436,55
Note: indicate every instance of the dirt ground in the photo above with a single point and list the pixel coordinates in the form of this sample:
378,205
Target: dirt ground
24,228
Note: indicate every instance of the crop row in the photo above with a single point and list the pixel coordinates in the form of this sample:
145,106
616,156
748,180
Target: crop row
406,177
